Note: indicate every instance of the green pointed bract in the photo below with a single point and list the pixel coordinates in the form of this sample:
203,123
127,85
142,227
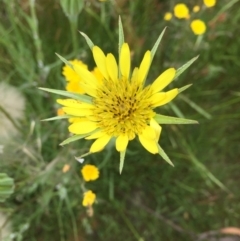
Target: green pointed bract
162,119
184,67
64,61
58,118
184,88
120,35
121,164
155,46
120,41
162,153
88,40
83,98
6,186
73,138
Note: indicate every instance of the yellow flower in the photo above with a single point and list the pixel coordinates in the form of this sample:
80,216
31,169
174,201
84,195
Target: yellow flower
72,77
196,9
181,11
167,16
90,173
66,168
209,3
122,107
60,112
88,198
198,27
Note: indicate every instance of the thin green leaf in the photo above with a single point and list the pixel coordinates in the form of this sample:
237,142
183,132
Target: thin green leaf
88,40
83,98
73,138
196,107
154,49
122,158
57,118
184,88
162,119
64,61
164,155
184,67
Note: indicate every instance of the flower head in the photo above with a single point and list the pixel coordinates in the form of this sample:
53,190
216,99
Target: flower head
198,27
209,3
167,16
73,79
90,173
196,9
181,11
120,106
88,198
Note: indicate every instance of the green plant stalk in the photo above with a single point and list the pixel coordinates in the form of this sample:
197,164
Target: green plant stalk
36,39
10,118
74,33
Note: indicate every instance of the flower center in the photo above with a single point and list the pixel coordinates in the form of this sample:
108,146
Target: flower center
123,107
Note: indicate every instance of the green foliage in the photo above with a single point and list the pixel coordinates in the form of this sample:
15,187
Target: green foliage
150,200
6,186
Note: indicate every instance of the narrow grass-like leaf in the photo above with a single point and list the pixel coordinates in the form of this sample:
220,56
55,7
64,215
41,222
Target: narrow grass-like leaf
162,153
88,40
122,158
184,67
196,107
73,138
83,98
154,49
58,118
162,119
64,61
184,88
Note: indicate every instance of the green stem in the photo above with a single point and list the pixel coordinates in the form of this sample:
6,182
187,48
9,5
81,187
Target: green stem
73,26
10,118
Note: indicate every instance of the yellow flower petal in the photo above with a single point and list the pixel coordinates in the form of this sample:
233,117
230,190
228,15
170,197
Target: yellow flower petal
83,127
169,96
157,129
95,135
148,144
149,133
89,89
144,66
100,60
157,97
112,67
121,143
87,77
100,143
73,103
125,60
77,111
163,80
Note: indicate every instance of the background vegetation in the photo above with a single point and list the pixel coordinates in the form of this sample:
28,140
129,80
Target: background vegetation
150,200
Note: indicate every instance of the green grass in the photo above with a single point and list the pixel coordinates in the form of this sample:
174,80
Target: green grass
150,200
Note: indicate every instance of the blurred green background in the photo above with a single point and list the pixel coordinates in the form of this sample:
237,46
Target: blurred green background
150,200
